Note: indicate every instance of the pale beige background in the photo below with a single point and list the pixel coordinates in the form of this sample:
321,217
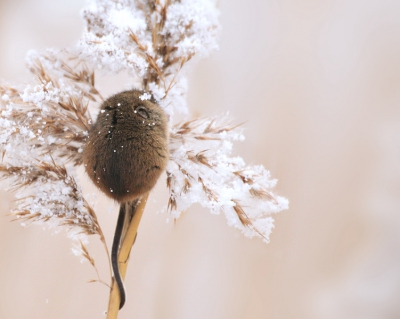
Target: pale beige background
318,84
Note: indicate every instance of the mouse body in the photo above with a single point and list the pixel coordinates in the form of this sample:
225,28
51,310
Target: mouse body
125,154
127,148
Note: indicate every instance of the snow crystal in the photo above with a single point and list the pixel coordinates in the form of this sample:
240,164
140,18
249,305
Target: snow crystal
145,96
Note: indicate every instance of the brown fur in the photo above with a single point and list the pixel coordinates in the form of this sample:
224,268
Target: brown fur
126,152
124,156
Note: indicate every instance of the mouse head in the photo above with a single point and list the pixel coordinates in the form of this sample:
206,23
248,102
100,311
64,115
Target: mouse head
128,107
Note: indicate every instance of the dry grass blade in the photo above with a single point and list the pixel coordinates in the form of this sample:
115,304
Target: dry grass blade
199,158
202,129
187,186
172,205
263,194
245,179
85,253
212,196
244,218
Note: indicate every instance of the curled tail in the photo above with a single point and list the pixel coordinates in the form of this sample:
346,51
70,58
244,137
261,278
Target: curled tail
126,212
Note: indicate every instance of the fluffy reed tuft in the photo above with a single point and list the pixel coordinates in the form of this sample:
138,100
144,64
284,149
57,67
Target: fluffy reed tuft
203,171
44,125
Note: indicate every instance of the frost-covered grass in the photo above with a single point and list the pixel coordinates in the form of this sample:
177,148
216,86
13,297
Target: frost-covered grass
202,170
44,124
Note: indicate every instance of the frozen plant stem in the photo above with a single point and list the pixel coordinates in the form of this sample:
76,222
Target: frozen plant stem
123,257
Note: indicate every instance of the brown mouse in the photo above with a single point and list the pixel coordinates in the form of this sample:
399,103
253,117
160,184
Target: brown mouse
125,154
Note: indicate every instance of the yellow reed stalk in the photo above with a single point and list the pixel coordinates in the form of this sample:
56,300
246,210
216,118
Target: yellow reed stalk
123,257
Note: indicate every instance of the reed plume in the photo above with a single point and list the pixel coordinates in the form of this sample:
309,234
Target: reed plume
44,125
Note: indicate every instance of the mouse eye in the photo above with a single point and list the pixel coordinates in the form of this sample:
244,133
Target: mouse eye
141,110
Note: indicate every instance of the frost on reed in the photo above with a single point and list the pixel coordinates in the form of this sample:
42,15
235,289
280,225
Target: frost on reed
44,125
152,40
202,170
43,129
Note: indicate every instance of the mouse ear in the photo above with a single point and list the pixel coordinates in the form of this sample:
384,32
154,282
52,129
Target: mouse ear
141,110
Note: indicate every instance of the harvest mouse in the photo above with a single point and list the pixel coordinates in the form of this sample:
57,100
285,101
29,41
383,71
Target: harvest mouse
125,154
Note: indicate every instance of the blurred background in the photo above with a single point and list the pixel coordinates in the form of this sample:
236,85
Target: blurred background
317,83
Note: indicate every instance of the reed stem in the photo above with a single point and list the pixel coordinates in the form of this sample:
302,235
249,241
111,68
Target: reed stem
123,258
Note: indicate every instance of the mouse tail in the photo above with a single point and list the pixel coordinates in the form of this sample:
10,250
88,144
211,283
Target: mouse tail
126,212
